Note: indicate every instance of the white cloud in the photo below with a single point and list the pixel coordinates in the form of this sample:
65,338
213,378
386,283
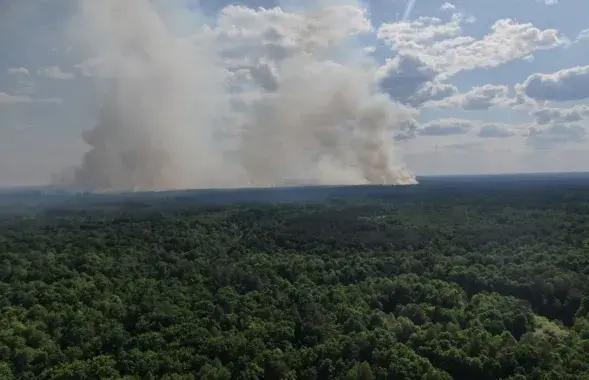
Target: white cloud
446,127
442,46
454,127
564,85
408,80
19,99
478,98
18,71
466,128
560,115
496,131
521,102
54,72
548,2
420,33
583,35
447,6
544,138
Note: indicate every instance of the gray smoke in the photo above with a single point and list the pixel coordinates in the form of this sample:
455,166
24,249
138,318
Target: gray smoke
251,98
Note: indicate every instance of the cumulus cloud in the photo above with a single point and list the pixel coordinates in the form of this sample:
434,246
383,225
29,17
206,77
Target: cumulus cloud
564,85
495,131
408,80
258,97
429,51
478,98
544,138
447,6
443,47
560,115
54,72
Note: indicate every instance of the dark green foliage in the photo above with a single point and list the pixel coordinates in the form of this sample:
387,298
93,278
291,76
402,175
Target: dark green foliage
397,286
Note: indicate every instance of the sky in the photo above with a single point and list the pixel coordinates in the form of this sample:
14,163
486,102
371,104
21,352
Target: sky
497,86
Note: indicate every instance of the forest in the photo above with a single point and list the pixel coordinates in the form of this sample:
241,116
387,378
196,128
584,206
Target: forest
450,279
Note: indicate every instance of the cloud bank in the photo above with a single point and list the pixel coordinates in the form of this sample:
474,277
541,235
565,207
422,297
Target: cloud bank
258,97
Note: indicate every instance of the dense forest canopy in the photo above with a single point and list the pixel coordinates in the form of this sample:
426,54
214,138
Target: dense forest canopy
455,278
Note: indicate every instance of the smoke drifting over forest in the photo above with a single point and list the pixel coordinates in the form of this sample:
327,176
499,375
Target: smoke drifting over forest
254,97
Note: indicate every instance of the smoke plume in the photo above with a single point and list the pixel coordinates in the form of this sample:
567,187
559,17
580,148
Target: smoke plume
253,97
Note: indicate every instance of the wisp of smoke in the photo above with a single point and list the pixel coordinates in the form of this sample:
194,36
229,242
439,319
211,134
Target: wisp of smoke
255,97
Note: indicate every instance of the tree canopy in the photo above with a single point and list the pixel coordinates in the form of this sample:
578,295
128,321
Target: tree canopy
395,285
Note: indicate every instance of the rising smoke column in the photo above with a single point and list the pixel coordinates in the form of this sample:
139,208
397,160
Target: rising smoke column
254,98
159,95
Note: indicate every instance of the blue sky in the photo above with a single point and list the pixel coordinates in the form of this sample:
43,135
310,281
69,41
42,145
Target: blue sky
498,85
